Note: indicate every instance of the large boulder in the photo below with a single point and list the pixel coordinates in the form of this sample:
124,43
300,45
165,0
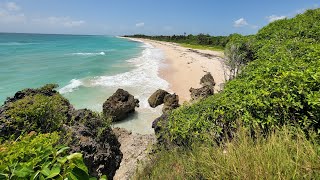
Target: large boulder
101,151
207,80
171,101
157,98
119,105
201,93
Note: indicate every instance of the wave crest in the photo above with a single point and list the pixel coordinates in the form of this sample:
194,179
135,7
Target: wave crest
73,85
89,54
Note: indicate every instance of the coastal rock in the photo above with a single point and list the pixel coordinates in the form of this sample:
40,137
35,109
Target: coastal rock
207,80
201,93
135,150
171,101
82,130
119,105
89,119
160,126
101,152
157,98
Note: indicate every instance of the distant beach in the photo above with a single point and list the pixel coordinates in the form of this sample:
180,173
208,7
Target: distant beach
184,67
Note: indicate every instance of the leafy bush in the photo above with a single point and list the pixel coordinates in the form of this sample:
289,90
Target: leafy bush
36,113
280,86
285,154
39,157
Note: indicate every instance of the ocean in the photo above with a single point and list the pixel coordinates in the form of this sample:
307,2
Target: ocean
87,68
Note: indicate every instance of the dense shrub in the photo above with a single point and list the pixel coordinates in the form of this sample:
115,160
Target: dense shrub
35,112
280,86
39,157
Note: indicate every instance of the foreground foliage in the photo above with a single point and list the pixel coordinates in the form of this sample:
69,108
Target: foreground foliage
39,157
284,154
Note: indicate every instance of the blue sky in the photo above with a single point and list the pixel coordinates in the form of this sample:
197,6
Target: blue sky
119,17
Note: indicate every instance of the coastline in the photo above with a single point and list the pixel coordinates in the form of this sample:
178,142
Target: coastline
184,67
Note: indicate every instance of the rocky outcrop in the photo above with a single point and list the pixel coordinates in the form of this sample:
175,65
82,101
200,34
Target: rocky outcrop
135,149
207,82
119,105
201,93
171,101
101,151
82,130
159,125
47,90
157,98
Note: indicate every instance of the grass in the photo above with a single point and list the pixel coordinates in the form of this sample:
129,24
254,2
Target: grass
285,154
202,47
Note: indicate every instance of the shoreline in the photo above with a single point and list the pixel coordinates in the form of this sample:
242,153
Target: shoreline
184,67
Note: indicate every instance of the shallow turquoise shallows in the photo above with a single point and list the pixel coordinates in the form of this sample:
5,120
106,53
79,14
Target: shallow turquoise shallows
88,69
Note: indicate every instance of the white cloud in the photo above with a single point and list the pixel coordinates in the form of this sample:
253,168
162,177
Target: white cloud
141,24
240,23
12,6
8,13
6,17
59,21
275,18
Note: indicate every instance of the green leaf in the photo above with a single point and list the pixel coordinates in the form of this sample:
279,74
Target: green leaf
54,172
104,177
74,156
45,171
79,174
62,160
62,150
23,172
35,175
4,176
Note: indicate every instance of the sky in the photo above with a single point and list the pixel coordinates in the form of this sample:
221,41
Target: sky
152,17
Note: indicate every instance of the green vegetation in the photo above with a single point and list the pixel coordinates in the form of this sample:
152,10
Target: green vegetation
39,157
200,41
240,133
36,112
202,47
36,124
281,85
285,154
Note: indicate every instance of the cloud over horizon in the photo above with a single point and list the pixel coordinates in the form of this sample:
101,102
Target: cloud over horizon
59,21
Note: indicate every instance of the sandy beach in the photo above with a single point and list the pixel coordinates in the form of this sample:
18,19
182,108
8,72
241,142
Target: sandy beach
184,67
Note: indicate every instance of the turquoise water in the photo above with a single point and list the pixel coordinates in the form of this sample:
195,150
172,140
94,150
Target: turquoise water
88,70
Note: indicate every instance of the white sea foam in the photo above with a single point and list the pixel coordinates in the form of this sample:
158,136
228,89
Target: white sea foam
73,85
89,54
143,79
16,43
